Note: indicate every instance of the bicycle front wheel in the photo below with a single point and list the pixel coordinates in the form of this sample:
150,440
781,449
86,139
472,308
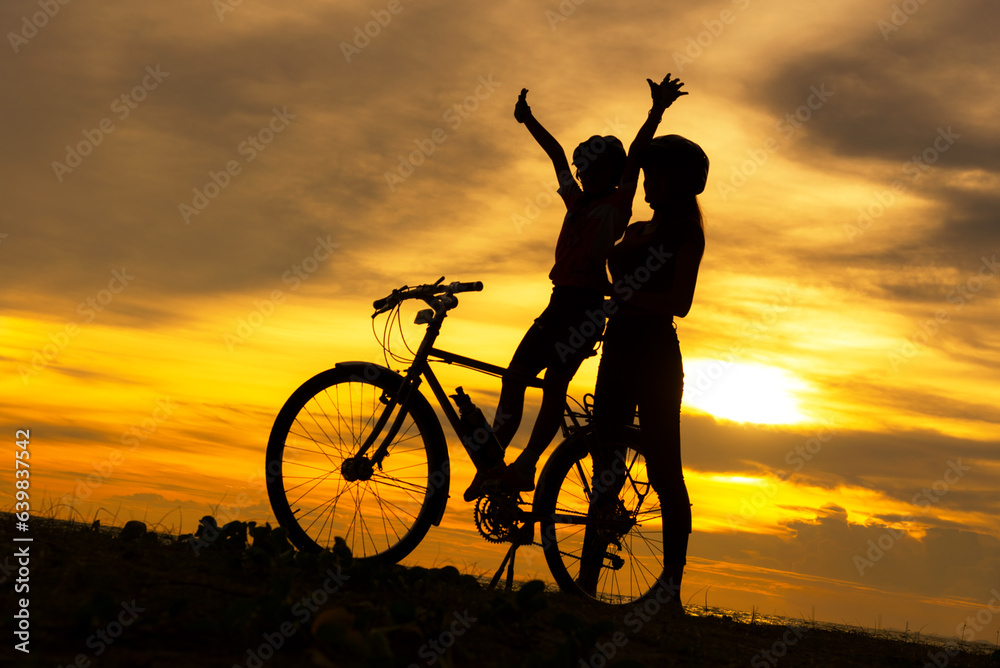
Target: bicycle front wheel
320,489
625,530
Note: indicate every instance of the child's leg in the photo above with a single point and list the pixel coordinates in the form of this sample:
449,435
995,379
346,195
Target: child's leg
530,357
510,408
549,417
574,327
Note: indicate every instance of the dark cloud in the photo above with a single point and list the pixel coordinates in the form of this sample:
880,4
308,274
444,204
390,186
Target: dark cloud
323,174
898,465
970,227
910,111
948,562
892,95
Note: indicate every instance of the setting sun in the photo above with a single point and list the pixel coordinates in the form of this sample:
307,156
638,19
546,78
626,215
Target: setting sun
743,392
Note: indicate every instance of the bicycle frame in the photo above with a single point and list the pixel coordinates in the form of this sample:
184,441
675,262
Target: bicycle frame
420,370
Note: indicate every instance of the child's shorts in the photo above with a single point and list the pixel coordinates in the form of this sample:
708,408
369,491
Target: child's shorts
564,334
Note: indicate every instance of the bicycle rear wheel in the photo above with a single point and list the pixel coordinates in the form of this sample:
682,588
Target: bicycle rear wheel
319,489
627,529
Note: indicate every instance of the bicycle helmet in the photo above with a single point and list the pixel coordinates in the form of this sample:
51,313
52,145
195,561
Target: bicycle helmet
684,160
599,148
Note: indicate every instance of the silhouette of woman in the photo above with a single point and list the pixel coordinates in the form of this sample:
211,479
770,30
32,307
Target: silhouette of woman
654,270
597,214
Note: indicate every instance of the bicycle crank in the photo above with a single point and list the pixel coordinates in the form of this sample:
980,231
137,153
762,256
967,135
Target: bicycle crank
497,516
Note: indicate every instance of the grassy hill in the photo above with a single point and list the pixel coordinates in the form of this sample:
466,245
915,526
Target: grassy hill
245,598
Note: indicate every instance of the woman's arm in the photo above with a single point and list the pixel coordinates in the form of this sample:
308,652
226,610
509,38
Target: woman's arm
522,113
664,94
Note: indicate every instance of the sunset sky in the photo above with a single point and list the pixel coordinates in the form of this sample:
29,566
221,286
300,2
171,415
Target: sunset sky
202,199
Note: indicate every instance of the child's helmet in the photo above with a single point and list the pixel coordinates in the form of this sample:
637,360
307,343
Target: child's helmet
684,160
599,148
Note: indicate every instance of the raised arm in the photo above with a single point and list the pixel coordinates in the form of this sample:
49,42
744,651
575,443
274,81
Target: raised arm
522,113
664,94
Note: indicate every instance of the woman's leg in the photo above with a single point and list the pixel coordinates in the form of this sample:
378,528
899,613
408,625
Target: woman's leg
614,409
661,387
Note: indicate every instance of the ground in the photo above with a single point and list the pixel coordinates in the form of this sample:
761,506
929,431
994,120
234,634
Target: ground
135,599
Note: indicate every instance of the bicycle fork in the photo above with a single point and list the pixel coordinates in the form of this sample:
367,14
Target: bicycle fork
402,396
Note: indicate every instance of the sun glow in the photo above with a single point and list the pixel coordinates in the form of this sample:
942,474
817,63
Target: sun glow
743,392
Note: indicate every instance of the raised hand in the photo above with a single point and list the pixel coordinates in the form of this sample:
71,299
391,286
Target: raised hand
666,92
521,109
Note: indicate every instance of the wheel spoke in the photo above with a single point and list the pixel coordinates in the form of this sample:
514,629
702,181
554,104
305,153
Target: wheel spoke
627,533
379,512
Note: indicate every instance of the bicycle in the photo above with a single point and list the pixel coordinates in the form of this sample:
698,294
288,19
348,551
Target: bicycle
358,452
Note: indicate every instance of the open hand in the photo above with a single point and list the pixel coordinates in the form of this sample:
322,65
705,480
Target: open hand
521,109
665,92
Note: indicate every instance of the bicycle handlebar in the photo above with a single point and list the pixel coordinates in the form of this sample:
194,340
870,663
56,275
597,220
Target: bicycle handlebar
425,292
470,286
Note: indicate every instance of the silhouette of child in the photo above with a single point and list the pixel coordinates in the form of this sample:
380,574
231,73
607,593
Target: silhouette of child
597,213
